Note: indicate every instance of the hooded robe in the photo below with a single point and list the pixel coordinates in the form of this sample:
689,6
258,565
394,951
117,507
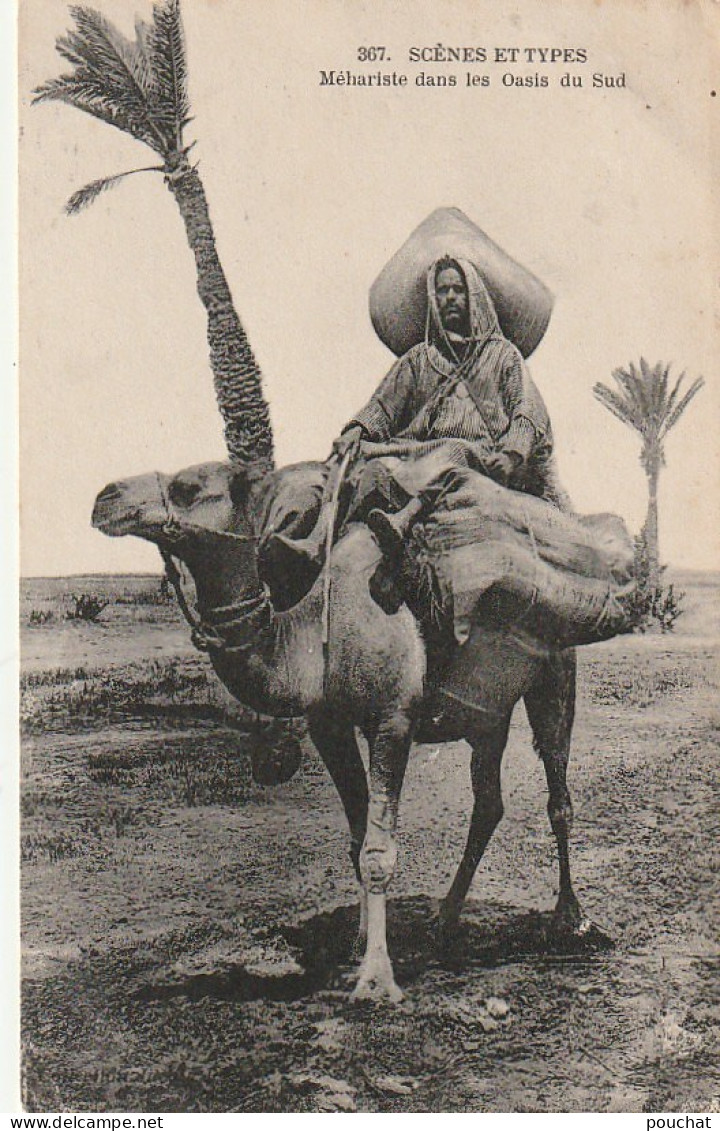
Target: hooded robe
471,397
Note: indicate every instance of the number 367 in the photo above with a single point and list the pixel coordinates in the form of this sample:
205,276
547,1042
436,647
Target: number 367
370,54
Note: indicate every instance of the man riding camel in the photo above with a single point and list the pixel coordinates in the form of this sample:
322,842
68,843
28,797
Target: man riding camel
462,398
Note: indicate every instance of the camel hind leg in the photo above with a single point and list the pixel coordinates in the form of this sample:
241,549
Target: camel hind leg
550,705
488,745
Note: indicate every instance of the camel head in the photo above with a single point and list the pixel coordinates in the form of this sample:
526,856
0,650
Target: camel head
171,510
190,514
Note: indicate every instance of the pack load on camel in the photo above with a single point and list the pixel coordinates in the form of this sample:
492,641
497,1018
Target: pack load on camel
511,577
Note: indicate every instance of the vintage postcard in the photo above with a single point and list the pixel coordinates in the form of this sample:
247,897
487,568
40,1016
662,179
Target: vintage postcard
369,408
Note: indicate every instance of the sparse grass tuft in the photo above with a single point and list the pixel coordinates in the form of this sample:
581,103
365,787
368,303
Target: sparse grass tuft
52,847
152,595
57,676
39,617
87,607
211,769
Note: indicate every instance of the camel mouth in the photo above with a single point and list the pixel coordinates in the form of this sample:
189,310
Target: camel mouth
115,525
113,514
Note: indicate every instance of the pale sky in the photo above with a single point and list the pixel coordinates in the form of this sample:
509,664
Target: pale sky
606,194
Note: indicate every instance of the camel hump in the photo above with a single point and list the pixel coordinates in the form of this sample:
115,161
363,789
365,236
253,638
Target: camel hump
398,297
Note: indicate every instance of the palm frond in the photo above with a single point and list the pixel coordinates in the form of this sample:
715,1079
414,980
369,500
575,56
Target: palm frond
620,406
672,417
625,379
142,51
100,49
633,385
672,395
88,94
656,382
90,192
646,373
166,41
642,402
661,386
106,50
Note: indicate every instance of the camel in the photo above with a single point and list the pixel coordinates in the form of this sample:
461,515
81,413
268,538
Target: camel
373,675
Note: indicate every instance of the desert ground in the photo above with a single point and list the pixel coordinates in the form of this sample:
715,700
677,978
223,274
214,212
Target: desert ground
187,933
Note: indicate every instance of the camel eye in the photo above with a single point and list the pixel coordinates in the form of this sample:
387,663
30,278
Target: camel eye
183,493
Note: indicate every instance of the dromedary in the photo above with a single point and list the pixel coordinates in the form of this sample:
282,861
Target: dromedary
373,676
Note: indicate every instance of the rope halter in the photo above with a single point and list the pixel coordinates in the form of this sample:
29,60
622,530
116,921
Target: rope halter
233,628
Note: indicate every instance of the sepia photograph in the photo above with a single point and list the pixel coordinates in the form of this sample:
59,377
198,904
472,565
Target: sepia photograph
369,556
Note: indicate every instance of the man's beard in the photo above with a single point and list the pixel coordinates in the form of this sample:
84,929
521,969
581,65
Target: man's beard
456,322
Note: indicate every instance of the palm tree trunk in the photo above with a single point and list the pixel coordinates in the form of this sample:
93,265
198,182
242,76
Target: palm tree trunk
236,373
650,529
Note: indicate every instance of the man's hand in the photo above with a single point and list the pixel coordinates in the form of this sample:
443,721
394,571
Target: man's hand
349,442
500,466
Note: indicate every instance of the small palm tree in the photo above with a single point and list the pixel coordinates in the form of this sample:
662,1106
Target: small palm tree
643,402
140,86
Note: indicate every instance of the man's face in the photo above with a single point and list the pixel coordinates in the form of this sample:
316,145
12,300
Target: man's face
452,299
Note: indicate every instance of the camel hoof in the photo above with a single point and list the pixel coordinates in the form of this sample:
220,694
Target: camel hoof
372,989
376,982
568,919
579,933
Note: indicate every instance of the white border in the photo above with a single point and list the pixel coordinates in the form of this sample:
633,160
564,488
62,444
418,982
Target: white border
9,564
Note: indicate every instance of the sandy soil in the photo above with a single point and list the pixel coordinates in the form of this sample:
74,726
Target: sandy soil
187,933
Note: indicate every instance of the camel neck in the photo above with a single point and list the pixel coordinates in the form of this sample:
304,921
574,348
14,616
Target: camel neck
224,571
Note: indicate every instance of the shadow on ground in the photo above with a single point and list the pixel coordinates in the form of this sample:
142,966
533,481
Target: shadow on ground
320,951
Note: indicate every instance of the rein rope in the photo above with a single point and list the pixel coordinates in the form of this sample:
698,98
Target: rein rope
329,543
226,629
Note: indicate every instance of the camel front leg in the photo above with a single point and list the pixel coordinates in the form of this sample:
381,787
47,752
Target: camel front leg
389,749
335,740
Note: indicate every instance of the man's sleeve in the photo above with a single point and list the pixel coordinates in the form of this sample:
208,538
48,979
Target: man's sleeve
529,421
389,409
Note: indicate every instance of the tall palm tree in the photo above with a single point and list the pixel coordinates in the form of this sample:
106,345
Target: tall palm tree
643,402
140,86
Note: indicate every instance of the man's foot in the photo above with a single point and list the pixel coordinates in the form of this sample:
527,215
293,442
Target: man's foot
388,532
391,530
